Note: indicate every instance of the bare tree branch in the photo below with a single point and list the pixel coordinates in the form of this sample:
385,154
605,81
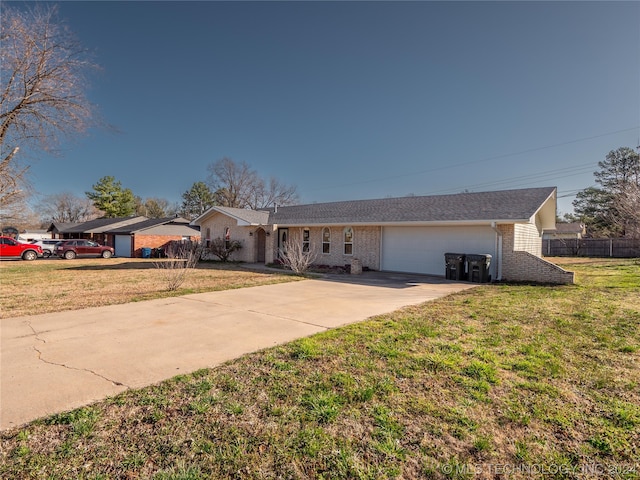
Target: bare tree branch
237,185
66,208
42,85
295,256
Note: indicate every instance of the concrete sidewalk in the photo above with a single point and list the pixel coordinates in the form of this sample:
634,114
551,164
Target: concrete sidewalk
59,361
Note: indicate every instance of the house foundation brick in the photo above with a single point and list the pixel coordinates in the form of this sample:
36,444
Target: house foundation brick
521,257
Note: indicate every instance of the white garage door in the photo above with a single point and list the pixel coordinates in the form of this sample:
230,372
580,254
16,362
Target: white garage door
422,249
123,245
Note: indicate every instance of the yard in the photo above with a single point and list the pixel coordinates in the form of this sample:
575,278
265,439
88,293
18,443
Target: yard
501,381
55,285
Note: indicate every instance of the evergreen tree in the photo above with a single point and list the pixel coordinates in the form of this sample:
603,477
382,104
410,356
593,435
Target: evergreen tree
109,197
197,200
613,209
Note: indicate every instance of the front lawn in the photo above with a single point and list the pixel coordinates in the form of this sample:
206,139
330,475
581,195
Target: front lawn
53,285
501,381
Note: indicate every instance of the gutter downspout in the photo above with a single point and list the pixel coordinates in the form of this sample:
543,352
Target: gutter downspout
498,251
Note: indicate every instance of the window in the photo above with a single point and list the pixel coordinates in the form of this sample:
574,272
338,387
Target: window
305,240
326,240
348,240
227,237
208,238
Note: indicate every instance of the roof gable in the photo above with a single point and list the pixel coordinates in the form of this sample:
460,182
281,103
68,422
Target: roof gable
243,216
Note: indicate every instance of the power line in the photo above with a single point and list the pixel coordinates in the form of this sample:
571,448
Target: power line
471,162
524,179
569,193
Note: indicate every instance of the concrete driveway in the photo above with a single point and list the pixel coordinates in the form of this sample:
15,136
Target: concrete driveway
59,361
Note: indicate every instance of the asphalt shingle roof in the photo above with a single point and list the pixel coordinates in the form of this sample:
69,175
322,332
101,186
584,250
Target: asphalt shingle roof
253,217
148,223
516,205
100,225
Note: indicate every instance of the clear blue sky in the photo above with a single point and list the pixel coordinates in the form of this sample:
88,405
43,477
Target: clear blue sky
355,100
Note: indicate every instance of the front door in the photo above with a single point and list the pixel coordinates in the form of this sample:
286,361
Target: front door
283,237
261,239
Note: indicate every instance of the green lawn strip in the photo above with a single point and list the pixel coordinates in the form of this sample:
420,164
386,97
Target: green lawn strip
517,375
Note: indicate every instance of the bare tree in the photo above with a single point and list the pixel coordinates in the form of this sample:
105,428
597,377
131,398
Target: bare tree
627,207
13,186
18,214
154,207
266,194
238,185
231,182
66,208
181,257
42,90
297,256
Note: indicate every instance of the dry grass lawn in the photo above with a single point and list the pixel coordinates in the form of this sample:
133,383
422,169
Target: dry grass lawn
54,285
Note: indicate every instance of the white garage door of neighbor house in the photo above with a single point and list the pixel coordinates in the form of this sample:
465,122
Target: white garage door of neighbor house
123,245
422,249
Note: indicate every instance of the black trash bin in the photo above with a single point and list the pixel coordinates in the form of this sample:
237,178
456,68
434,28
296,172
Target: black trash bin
478,268
454,266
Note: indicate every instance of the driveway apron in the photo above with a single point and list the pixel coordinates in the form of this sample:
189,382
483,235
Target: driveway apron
55,362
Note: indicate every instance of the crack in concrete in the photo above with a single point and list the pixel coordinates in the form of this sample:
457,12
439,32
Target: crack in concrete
289,319
48,362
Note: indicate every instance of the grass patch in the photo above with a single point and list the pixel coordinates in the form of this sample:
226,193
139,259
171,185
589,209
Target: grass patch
54,285
517,375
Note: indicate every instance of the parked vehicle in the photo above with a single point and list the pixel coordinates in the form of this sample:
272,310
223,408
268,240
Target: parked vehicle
48,246
71,249
10,248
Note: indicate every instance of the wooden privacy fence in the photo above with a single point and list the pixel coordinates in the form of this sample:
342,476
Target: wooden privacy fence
592,247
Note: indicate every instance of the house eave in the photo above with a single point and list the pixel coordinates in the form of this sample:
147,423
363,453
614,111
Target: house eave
433,223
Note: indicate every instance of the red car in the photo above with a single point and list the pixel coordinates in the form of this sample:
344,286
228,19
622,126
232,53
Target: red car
10,248
71,249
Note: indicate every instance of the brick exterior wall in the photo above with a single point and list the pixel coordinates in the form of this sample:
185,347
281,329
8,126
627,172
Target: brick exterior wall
216,225
366,242
366,246
520,263
154,241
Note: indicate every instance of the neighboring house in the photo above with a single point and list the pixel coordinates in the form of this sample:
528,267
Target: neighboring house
93,229
128,235
565,231
56,227
408,234
152,233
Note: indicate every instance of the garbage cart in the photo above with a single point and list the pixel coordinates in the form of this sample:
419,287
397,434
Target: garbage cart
454,269
478,268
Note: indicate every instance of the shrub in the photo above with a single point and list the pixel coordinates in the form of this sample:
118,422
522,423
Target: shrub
223,248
